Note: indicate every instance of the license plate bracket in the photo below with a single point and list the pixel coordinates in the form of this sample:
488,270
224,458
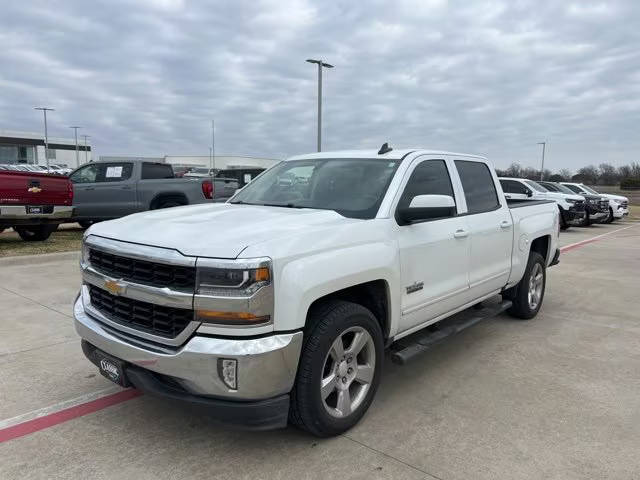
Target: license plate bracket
35,209
111,368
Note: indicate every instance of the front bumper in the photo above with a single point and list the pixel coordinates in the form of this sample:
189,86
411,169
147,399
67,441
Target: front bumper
266,366
620,212
17,214
573,216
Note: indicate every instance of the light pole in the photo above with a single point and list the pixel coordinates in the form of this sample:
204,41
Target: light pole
213,144
320,64
46,137
544,146
85,147
75,131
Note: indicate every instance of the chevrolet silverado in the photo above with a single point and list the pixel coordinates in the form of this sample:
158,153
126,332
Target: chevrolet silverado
277,306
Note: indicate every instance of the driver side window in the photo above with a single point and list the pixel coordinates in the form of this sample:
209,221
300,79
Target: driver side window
88,174
430,177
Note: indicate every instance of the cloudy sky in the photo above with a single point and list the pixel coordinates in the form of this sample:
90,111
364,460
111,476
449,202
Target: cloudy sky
146,77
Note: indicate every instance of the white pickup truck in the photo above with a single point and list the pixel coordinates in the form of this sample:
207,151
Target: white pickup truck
278,305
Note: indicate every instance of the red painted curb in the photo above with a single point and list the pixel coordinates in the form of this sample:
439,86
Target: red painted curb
65,415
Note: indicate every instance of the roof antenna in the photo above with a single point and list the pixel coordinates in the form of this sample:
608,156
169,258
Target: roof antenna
385,148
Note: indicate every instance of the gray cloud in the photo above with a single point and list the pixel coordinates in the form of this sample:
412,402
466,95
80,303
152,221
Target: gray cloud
491,77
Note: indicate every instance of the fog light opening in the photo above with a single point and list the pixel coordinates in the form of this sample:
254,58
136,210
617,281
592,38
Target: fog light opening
228,372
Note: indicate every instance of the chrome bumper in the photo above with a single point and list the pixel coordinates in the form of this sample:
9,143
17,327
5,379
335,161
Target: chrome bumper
266,366
19,212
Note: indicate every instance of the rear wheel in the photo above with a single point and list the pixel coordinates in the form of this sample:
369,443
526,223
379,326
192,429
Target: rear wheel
339,370
528,294
36,233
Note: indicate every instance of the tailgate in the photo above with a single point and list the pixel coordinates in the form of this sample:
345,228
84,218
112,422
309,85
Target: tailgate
24,188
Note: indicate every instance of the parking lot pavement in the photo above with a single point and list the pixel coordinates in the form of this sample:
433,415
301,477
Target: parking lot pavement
555,397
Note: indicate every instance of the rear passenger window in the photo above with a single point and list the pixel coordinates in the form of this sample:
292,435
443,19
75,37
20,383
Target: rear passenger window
479,189
114,172
430,177
156,170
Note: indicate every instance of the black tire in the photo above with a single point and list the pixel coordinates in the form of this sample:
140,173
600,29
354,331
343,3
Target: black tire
586,221
85,223
328,322
610,218
36,233
563,223
519,295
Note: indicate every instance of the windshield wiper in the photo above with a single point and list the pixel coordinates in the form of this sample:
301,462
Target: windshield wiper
285,205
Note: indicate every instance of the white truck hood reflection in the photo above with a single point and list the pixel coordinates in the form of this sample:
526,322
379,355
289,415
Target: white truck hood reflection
216,230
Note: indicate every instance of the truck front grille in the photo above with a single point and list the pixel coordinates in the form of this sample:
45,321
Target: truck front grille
166,322
579,206
143,272
604,205
625,204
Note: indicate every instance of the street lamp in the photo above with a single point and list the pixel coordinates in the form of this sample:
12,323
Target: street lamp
320,64
46,137
85,147
544,145
75,131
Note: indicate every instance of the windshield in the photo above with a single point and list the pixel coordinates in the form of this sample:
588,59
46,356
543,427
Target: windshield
589,189
352,187
549,186
565,189
535,186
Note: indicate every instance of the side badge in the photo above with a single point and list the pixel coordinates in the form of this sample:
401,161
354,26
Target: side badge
415,287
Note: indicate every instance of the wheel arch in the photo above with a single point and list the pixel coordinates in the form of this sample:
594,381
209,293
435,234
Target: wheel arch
164,196
374,295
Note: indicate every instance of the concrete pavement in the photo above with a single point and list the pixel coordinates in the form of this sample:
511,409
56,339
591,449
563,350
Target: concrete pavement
557,397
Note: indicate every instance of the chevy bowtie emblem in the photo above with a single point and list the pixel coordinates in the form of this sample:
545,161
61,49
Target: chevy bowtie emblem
114,287
34,190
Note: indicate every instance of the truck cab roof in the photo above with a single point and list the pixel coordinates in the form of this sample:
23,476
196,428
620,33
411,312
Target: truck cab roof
392,155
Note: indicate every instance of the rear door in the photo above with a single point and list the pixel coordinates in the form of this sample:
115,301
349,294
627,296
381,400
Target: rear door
434,254
490,227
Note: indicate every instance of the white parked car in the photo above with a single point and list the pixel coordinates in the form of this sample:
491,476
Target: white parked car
279,304
571,206
618,205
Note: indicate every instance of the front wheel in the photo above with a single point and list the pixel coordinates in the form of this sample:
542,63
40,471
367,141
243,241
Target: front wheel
339,370
528,294
610,218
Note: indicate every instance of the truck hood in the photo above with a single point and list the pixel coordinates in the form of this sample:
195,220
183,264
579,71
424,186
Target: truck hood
565,196
216,230
610,196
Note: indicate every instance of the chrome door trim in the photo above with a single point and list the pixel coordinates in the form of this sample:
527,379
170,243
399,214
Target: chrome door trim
147,253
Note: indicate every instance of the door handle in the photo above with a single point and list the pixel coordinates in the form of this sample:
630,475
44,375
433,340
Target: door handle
460,233
505,224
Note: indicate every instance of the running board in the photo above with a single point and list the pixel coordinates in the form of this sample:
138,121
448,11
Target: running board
410,347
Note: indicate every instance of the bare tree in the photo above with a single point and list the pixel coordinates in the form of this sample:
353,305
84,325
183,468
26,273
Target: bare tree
607,174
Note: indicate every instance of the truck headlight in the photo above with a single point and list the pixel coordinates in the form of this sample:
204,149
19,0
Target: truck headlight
570,200
235,282
234,293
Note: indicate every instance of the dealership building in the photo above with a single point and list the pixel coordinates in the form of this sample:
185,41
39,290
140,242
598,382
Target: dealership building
25,147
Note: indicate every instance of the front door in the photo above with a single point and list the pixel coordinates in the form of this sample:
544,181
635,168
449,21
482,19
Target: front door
434,254
104,190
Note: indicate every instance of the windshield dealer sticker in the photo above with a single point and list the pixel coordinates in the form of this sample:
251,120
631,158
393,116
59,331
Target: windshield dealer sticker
114,172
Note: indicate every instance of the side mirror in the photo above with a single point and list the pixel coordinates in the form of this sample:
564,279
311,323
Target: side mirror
529,193
427,207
